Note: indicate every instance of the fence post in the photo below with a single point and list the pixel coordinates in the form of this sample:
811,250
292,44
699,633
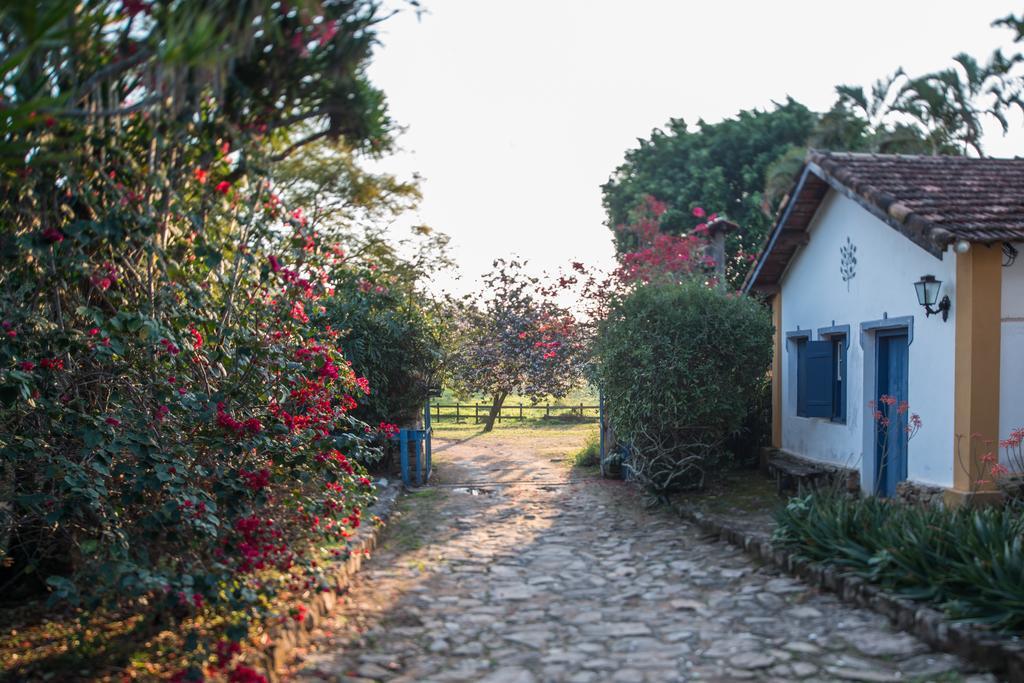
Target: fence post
581,408
456,412
547,410
520,412
403,454
417,447
427,434
499,413
476,413
600,429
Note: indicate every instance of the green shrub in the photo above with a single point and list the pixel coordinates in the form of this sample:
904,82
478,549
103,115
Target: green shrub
969,562
678,364
590,454
390,337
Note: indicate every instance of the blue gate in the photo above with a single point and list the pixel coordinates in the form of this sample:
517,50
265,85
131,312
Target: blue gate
414,454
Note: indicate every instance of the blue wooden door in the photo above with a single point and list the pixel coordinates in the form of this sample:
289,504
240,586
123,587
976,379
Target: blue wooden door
891,442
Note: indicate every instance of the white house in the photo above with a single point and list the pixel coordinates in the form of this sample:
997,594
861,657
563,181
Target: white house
853,238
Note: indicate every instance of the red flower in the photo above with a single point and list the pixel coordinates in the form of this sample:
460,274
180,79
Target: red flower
94,331
133,7
52,235
699,212
200,175
298,312
197,338
170,347
256,481
113,422
388,428
243,674
364,384
329,369
274,264
223,187
226,651
52,363
27,365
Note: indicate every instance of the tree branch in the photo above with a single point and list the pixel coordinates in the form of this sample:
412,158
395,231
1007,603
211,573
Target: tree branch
312,137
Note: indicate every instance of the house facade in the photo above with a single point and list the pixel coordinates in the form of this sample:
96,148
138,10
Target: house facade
855,239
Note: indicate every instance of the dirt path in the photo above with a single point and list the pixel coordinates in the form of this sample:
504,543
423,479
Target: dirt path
511,568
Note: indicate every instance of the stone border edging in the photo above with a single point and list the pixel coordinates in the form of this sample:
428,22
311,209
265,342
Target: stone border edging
281,640
1000,655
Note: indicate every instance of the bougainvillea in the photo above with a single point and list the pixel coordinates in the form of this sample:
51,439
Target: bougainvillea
168,378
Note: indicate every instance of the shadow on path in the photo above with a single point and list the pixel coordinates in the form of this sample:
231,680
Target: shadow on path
524,581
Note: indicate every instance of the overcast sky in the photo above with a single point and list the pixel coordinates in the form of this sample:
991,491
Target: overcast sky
516,112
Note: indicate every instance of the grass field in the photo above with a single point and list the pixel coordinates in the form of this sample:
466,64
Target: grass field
448,429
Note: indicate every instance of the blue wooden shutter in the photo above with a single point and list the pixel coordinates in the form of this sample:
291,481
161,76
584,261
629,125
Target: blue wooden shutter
818,379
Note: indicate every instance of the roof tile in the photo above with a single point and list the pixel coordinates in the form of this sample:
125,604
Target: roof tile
979,200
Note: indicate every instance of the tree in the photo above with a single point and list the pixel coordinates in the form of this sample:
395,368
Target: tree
941,112
717,164
746,164
514,340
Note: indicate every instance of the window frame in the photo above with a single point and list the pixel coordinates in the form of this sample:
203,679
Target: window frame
796,345
839,335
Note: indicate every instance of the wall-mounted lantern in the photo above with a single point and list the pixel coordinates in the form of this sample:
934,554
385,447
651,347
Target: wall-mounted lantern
928,293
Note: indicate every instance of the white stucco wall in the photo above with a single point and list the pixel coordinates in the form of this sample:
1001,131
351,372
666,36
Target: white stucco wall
814,295
1011,368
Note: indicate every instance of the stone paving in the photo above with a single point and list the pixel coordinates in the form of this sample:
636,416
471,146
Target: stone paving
525,575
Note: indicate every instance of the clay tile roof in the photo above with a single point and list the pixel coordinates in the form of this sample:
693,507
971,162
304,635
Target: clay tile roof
932,200
980,200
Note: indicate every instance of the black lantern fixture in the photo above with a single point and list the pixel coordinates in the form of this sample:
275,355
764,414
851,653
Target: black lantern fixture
928,293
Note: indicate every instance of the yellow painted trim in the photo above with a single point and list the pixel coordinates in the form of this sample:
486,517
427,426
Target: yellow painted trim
976,312
777,371
954,498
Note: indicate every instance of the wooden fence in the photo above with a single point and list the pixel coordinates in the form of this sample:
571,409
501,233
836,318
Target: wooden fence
478,412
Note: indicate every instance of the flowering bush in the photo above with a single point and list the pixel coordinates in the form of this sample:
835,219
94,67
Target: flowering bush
176,405
515,339
659,255
391,337
894,421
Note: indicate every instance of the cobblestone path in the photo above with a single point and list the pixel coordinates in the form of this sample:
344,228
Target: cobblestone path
537,578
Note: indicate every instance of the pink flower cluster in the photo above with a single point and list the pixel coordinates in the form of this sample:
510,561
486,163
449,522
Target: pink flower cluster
260,545
225,420
256,481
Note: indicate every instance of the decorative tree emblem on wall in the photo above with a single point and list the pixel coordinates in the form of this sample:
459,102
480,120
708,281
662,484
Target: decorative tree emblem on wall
848,261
